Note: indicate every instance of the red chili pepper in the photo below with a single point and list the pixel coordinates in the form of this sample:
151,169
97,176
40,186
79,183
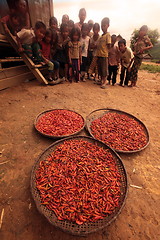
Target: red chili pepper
119,131
60,122
82,188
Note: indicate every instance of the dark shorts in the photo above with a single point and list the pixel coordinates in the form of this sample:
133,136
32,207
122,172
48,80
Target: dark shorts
102,66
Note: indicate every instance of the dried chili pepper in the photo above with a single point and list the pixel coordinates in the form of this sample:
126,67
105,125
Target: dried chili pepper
79,181
60,122
119,131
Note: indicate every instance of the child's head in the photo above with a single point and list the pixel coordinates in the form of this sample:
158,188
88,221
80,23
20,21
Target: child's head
113,39
82,15
64,30
84,29
48,36
119,37
96,28
90,25
70,25
75,34
21,5
143,31
65,18
122,45
39,30
53,23
105,24
15,19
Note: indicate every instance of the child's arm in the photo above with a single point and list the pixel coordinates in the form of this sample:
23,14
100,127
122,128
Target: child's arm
80,55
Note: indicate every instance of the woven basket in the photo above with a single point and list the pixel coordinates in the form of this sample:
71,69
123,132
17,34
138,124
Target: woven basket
66,225
100,112
61,136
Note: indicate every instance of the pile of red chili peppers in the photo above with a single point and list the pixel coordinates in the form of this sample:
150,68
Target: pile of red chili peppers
79,181
119,131
60,122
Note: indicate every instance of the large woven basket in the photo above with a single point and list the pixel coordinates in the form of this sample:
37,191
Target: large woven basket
68,226
100,112
61,136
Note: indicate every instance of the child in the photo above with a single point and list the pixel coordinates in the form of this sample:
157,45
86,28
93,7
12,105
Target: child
70,25
20,8
29,39
102,52
90,26
142,44
53,24
46,52
84,44
82,17
11,23
127,58
75,54
62,49
93,47
65,19
53,53
113,60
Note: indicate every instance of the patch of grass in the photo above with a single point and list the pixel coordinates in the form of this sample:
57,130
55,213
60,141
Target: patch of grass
150,68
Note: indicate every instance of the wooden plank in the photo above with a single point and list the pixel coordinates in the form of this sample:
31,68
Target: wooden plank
13,71
38,75
11,60
2,75
15,80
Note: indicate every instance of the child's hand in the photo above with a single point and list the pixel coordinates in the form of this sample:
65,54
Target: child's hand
21,49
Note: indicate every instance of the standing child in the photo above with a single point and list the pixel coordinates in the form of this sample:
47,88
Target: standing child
74,53
113,60
127,58
65,19
62,50
46,52
53,24
93,47
82,17
142,44
84,44
102,52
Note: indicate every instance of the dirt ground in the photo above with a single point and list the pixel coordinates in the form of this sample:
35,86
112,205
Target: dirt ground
20,146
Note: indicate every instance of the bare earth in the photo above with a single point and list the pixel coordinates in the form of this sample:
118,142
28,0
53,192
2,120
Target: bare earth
20,146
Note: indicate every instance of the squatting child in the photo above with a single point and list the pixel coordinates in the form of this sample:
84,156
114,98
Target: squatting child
127,58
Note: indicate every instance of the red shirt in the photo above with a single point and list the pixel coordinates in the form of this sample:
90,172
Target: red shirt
46,49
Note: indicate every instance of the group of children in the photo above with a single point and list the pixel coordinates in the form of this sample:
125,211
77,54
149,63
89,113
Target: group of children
74,52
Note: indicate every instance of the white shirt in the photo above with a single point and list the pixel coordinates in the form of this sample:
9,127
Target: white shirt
84,45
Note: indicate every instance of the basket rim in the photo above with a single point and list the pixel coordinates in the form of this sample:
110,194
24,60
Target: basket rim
62,136
128,114
39,206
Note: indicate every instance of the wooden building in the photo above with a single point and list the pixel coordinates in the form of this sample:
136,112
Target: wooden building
14,67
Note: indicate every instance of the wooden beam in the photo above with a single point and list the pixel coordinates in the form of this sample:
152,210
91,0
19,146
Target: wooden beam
15,80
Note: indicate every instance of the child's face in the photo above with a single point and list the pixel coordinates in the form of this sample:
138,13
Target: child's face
48,38
104,27
54,25
40,33
113,40
65,19
65,33
142,33
22,6
122,47
95,31
84,32
75,37
82,16
15,21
